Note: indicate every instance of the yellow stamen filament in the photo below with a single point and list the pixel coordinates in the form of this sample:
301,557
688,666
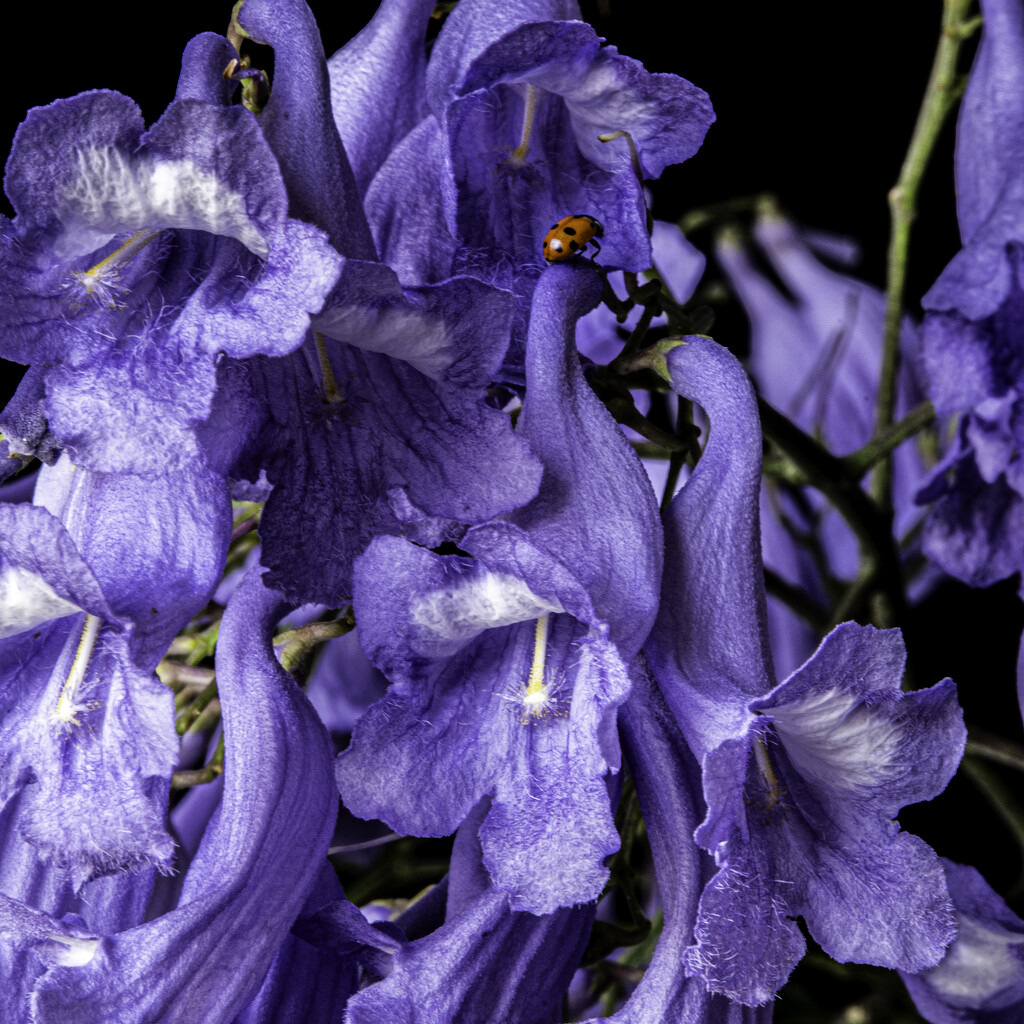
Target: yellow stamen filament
68,708
332,393
521,151
101,282
539,696
764,765
536,691
634,156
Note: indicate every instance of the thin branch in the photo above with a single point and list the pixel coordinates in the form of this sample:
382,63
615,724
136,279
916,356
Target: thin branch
940,97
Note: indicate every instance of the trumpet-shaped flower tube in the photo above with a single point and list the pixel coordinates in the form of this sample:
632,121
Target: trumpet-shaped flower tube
137,257
507,667
802,780
257,863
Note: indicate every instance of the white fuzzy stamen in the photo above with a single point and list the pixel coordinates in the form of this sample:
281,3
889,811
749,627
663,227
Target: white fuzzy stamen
101,284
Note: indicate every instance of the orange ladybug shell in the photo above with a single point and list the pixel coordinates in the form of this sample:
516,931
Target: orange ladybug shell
571,236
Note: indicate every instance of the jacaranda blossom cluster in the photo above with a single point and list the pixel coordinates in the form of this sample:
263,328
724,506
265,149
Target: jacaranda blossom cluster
347,507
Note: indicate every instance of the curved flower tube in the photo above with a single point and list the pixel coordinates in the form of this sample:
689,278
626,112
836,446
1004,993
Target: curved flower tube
802,780
254,869
815,356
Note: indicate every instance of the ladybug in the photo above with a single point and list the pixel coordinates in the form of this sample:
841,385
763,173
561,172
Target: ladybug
571,235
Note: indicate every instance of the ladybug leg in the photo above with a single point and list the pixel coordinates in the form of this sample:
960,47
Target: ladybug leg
597,248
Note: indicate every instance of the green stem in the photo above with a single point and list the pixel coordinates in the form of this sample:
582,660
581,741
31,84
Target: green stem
296,645
939,99
702,216
860,461
638,334
622,408
649,450
188,718
199,776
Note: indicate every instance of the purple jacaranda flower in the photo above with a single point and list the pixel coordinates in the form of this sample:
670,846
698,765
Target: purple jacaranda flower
815,356
667,781
452,329
517,98
973,353
90,603
507,666
485,962
981,978
378,423
522,95
378,84
255,869
802,780
138,257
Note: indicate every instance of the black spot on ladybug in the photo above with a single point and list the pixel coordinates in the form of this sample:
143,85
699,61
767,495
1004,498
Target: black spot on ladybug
574,245
554,227
568,230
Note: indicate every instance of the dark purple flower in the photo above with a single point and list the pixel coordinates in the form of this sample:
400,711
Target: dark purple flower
378,424
517,99
259,860
802,780
507,667
974,323
452,329
138,257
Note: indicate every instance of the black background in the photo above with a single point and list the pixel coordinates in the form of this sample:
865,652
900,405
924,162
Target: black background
815,103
